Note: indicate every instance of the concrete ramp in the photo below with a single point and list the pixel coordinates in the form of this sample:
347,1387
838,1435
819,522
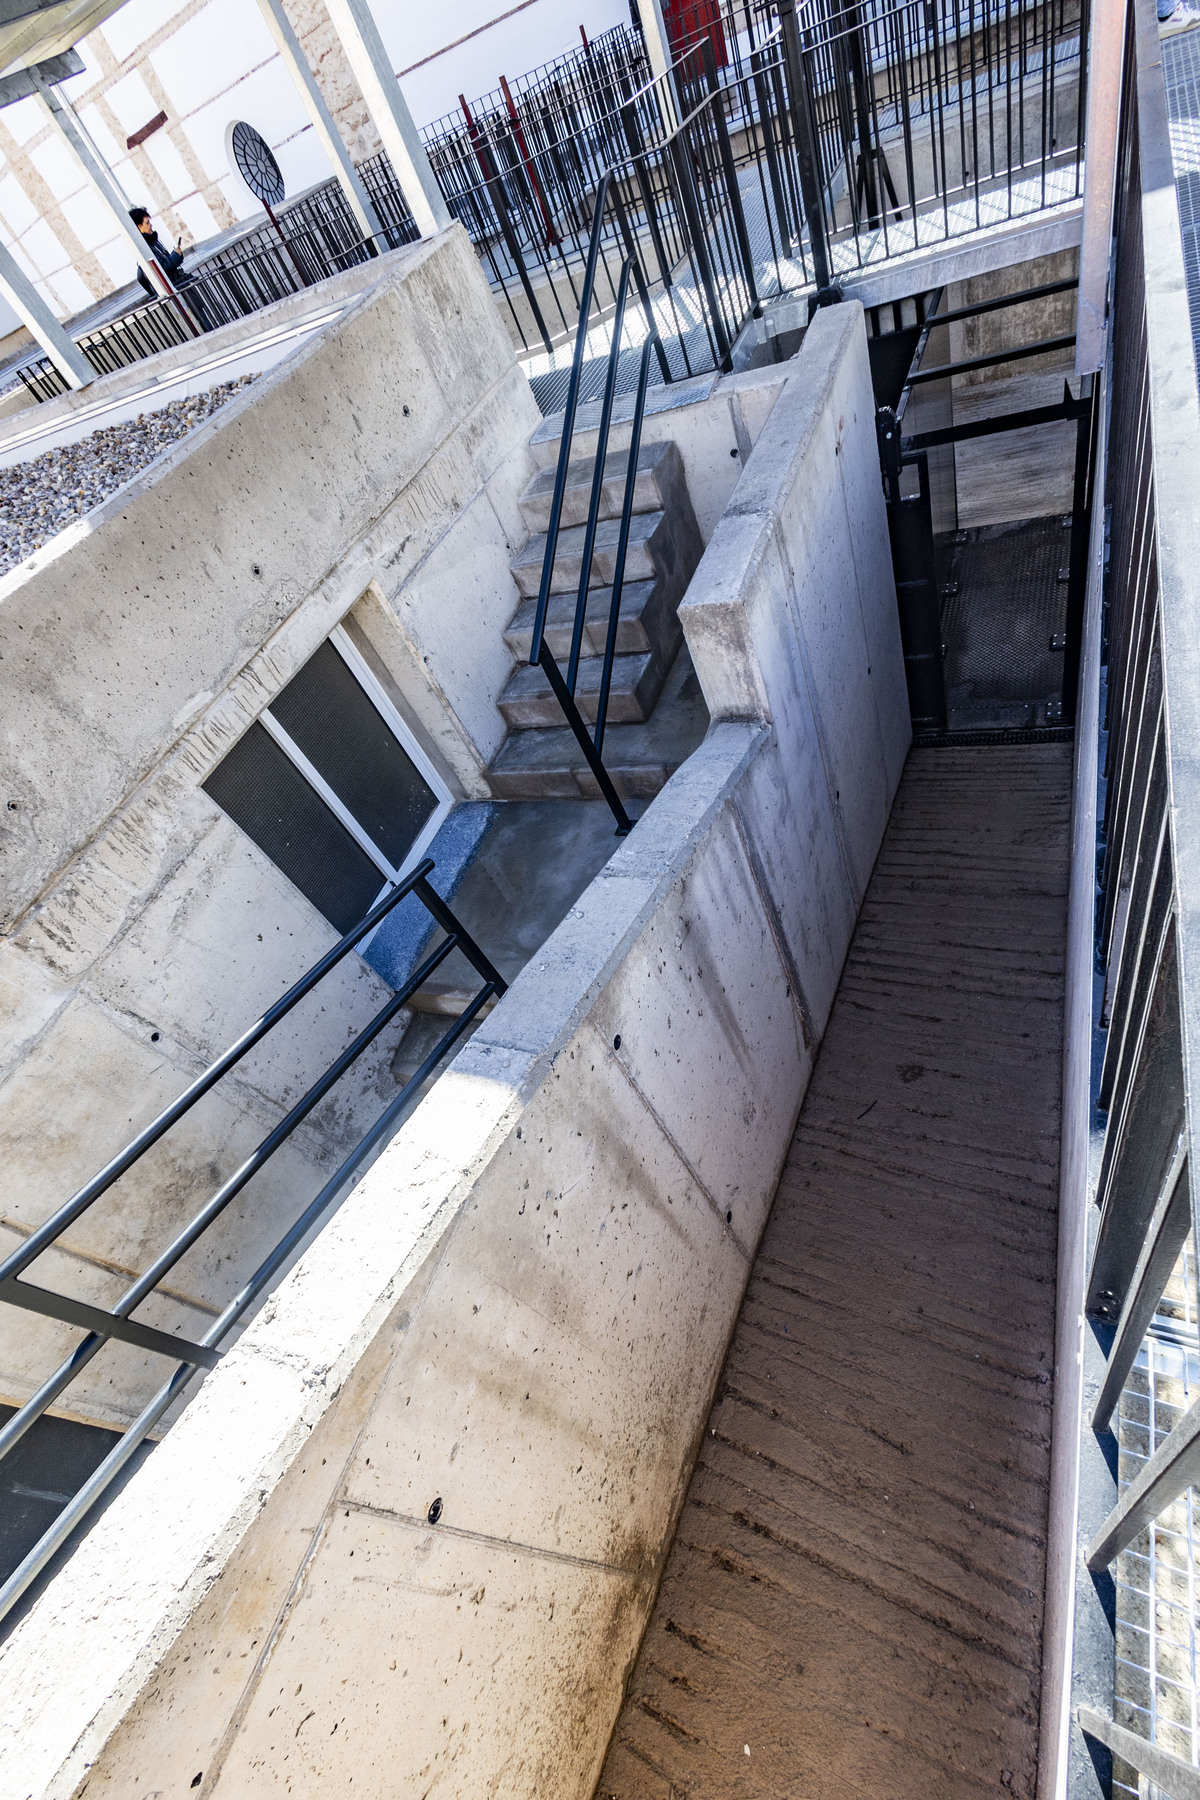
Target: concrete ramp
853,1602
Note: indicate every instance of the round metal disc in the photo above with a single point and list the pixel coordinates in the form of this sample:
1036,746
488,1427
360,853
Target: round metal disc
257,164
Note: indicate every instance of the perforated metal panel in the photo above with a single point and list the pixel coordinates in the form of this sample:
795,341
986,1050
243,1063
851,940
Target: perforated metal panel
329,717
264,792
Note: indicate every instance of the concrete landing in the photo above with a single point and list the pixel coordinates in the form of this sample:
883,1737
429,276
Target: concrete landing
853,1602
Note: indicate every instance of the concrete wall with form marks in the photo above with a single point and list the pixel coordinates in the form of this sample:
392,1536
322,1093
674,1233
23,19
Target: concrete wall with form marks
521,1311
370,478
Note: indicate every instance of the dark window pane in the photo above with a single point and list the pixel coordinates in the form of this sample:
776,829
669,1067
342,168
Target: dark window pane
264,792
326,714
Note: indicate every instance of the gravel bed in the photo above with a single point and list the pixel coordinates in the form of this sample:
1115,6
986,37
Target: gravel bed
39,498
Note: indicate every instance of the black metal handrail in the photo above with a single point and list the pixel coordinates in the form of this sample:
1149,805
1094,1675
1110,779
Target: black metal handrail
815,115
540,654
117,1323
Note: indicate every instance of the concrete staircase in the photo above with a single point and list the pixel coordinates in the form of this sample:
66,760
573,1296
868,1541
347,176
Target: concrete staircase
656,714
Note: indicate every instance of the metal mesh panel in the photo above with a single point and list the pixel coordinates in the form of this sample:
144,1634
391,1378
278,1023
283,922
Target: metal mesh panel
265,793
1000,669
1181,79
328,715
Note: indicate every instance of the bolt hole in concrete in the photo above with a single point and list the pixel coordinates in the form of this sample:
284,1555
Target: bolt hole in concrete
41,497
617,1041
435,1511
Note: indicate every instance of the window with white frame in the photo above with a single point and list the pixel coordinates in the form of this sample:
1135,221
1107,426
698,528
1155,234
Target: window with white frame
331,785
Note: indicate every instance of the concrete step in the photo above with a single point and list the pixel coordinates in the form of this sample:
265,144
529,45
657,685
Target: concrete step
659,476
651,552
547,436
528,702
548,764
648,621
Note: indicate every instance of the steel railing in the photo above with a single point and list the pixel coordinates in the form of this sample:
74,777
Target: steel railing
670,225
1145,934
117,1324
847,134
540,654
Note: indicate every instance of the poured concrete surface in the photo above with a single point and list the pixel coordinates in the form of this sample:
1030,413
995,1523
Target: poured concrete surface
536,860
852,1604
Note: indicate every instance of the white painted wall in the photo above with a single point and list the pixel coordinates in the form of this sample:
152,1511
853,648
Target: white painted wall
207,63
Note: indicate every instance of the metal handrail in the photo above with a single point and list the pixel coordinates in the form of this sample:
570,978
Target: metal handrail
540,653
116,1323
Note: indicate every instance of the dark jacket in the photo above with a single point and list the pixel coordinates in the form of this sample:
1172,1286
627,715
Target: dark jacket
169,260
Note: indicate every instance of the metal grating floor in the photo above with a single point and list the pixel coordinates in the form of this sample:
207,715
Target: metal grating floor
1181,78
1001,673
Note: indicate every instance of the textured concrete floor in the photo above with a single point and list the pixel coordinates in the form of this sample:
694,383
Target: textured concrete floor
853,1602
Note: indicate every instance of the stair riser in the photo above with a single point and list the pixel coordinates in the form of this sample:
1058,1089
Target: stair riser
648,621
640,783
648,496
626,705
639,566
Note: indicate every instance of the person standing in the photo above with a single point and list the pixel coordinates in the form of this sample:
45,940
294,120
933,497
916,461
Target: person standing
170,262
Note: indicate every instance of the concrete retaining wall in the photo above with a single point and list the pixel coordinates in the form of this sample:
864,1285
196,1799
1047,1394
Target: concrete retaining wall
514,1325
371,478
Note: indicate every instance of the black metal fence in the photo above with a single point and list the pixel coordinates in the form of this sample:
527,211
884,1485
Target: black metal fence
1133,1483
118,1325
828,137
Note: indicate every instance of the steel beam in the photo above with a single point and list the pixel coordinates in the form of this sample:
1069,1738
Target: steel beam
1174,1467
297,66
1160,1248
355,26
1169,1774
29,306
1106,50
98,173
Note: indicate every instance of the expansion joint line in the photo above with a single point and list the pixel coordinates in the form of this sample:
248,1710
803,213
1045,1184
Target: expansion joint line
516,1545
693,1172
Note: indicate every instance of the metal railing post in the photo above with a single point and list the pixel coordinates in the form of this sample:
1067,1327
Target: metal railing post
808,152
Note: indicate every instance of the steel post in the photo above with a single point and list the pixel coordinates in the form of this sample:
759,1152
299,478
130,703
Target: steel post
297,66
359,34
29,306
807,152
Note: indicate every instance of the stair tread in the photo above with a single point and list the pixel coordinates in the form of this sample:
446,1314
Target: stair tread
527,680
561,610
641,757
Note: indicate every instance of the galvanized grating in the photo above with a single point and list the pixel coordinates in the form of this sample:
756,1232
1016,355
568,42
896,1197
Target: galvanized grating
1157,1691
1181,79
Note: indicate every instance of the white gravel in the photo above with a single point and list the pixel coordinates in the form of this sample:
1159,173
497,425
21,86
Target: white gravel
39,498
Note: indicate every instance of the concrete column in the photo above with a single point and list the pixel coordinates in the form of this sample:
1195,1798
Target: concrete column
101,179
373,71
658,48
59,346
658,44
1106,50
296,63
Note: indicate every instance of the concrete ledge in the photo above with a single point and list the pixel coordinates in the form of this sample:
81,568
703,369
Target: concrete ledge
792,617
980,253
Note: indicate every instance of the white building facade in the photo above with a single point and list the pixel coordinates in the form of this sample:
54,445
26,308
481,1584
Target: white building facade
164,82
